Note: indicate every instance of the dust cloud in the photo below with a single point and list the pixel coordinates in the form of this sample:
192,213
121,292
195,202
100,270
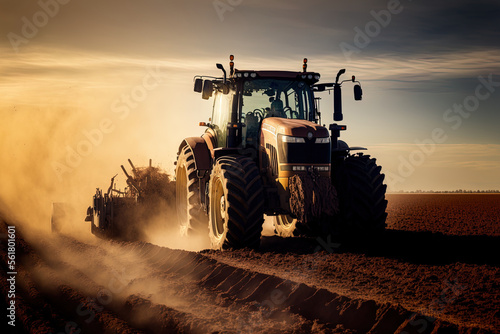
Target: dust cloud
68,125
66,128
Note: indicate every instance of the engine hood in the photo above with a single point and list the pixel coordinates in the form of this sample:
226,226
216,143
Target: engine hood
293,127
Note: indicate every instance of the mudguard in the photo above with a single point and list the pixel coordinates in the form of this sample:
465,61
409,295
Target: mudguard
201,152
342,146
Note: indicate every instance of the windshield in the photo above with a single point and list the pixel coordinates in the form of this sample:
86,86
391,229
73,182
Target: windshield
276,98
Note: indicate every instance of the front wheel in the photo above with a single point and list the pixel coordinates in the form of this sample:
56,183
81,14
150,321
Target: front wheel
192,218
236,204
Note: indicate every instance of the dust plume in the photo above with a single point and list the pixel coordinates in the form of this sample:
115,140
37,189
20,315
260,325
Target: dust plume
146,210
67,126
69,121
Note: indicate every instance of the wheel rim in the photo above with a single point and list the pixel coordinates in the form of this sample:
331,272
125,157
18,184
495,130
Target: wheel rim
286,221
219,210
223,207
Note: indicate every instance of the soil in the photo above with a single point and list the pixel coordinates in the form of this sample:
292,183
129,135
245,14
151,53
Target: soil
435,270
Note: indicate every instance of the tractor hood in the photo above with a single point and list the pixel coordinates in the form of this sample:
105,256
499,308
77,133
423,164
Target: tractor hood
293,127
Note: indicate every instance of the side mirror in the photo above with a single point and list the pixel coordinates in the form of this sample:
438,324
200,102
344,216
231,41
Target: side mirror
208,88
319,88
198,85
358,93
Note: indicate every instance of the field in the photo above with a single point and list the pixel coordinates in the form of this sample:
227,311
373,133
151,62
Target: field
453,214
436,270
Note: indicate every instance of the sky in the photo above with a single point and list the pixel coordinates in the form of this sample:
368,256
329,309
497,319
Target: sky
88,84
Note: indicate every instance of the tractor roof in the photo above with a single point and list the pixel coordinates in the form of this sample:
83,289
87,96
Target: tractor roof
313,77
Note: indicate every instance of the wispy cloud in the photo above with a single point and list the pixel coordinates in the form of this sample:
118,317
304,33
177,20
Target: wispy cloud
467,166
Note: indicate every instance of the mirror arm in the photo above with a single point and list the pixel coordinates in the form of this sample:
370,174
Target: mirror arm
220,67
342,71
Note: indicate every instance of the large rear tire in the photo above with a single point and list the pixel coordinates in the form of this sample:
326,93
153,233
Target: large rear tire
192,218
236,204
361,193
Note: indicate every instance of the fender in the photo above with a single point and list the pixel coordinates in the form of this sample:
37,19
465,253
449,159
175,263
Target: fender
201,152
342,146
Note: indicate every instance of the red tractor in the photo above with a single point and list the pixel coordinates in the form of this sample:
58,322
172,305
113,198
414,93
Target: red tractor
265,152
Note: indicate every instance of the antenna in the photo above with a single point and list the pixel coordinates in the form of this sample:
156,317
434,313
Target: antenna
231,65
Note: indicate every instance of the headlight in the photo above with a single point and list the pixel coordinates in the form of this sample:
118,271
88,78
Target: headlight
288,139
325,140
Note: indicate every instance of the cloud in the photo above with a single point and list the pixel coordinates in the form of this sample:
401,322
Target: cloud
446,167
425,28
193,27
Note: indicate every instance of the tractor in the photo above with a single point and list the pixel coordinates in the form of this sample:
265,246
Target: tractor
265,152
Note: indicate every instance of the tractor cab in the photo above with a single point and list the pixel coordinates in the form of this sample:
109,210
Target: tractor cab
272,94
246,98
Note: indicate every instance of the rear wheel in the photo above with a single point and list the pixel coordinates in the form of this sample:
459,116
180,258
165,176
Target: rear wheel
236,204
361,193
192,218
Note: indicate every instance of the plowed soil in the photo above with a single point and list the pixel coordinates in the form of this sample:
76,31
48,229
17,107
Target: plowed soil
436,270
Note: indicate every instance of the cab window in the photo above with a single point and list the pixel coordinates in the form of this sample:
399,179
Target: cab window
221,116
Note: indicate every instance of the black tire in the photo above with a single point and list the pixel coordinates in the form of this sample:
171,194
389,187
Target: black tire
361,193
192,218
236,210
314,206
